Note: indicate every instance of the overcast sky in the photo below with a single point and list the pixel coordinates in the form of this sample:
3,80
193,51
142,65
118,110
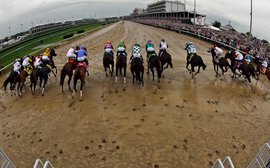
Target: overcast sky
21,14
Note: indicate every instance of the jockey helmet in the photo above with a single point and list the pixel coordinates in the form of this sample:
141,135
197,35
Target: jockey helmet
108,42
137,44
18,59
83,47
162,40
28,55
215,45
149,41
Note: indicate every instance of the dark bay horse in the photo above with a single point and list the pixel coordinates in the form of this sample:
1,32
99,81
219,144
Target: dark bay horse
137,70
43,75
67,70
154,62
121,63
221,62
195,60
12,79
108,63
79,73
165,58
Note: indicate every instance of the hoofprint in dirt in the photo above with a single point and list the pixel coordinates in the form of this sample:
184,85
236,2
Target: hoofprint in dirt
186,123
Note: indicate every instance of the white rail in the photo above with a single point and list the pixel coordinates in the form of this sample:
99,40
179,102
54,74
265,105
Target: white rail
227,163
40,164
262,160
4,161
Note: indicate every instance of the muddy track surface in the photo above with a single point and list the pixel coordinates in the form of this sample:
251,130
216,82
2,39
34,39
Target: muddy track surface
184,123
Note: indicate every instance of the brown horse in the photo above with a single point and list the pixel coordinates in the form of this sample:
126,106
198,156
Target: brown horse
22,78
67,70
107,61
267,72
137,70
121,63
165,58
80,72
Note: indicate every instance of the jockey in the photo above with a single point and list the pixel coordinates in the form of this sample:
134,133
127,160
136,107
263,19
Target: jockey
218,52
149,46
71,53
191,48
38,62
82,54
45,56
150,49
17,65
82,57
162,46
136,52
264,66
121,48
26,61
108,48
247,58
238,59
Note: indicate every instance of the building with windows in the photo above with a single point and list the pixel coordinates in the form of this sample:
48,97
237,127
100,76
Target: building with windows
164,6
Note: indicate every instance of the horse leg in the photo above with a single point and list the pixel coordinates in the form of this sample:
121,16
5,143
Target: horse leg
112,69
125,72
199,67
81,88
74,86
44,84
153,72
106,71
142,79
116,74
148,67
69,80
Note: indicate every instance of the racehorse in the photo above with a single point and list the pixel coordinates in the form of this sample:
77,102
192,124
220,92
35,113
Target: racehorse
233,67
154,62
195,60
267,72
43,75
12,79
79,73
121,62
67,70
107,61
220,62
137,70
22,78
165,58
51,55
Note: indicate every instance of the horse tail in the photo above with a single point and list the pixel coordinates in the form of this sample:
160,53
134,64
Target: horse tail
62,77
171,65
159,70
204,66
137,73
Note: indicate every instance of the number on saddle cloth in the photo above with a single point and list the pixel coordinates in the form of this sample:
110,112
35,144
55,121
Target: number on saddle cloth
82,64
28,70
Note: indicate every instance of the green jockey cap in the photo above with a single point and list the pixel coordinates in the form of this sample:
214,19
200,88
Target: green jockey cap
122,44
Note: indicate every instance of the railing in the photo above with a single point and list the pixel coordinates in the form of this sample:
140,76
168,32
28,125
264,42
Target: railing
40,164
262,160
4,161
227,163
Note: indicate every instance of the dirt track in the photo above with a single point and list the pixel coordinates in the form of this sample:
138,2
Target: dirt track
186,123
